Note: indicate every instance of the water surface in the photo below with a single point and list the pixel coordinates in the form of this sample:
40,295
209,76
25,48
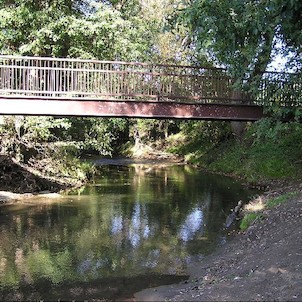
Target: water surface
137,226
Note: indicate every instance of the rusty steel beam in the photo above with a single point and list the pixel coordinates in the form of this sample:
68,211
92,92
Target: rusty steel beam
10,105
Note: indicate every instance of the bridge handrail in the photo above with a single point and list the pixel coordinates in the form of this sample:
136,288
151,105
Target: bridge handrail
58,77
149,64
132,63
82,78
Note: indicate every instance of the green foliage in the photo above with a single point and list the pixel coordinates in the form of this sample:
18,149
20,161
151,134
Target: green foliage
60,161
242,35
19,134
149,130
280,199
284,138
105,30
68,29
269,150
268,129
43,128
43,265
226,158
34,141
283,97
95,135
92,135
249,219
207,132
199,138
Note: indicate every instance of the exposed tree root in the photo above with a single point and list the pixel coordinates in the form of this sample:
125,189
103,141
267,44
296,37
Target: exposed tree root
19,178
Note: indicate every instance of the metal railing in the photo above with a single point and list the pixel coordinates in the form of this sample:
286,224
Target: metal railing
54,78
90,79
279,88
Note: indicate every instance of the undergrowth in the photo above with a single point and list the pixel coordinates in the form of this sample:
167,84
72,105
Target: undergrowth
269,150
60,161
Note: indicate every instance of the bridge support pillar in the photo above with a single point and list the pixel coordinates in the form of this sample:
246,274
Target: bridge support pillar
238,129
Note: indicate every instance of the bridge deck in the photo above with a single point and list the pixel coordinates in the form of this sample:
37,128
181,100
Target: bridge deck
71,87
141,109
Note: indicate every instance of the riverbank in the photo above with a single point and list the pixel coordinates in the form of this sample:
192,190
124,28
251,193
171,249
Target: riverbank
262,263
7,197
20,182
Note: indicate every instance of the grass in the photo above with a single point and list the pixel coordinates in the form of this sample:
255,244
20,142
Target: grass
250,219
254,211
268,151
256,162
271,203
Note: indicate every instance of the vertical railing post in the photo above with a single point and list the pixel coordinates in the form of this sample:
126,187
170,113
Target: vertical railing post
54,77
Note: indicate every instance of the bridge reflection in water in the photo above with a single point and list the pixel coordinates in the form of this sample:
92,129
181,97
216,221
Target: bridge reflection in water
73,87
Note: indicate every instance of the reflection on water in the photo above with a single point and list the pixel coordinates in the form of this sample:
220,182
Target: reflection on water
137,224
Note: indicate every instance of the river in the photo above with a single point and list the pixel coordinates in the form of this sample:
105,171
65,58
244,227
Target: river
137,226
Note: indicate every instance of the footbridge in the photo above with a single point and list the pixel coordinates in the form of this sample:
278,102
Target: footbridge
73,87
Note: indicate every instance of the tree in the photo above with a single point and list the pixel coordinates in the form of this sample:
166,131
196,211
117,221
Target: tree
243,35
134,30
103,30
65,28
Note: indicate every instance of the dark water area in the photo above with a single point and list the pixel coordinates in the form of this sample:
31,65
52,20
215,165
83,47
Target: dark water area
137,226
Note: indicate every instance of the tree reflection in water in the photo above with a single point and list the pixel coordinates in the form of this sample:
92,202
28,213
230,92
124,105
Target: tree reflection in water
134,221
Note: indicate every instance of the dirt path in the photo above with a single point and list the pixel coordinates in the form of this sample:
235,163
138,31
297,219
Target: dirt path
262,264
